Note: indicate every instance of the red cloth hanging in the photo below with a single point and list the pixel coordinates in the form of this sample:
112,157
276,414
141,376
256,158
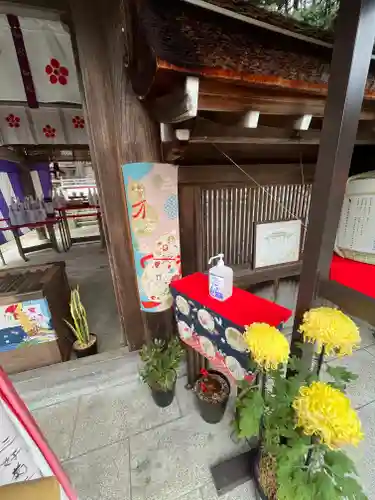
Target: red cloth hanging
353,274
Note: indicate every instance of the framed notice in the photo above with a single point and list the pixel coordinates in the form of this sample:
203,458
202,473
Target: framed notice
276,243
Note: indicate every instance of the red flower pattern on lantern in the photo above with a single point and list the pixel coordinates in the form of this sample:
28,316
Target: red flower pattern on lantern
56,72
78,122
13,121
49,131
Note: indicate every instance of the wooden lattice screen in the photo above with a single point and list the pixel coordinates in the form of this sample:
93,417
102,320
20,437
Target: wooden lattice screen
219,205
229,213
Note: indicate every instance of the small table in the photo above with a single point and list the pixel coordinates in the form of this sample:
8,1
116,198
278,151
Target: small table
49,224
215,329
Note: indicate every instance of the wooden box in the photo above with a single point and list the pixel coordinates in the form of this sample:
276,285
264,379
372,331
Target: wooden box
34,301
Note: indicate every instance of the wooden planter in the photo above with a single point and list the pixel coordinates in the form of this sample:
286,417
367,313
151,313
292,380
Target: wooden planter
34,300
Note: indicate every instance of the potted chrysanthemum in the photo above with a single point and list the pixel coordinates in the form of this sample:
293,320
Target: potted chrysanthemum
302,421
332,331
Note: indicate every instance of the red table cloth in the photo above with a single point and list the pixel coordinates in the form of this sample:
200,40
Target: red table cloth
355,275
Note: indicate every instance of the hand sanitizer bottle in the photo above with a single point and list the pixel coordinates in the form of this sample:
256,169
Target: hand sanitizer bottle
220,279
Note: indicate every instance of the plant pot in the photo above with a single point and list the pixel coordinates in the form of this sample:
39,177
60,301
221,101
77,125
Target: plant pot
212,409
92,348
259,493
163,398
269,475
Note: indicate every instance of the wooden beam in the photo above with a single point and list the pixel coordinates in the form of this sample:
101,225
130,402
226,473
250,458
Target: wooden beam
120,131
363,141
354,40
266,135
166,132
182,134
179,105
220,96
303,122
287,139
243,277
261,173
251,119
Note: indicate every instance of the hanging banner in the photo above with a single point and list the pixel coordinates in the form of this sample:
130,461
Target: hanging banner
152,200
11,84
24,452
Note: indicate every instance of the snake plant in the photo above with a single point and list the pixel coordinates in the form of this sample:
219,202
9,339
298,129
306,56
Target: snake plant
78,313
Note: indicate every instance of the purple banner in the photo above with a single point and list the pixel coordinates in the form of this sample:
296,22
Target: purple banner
41,178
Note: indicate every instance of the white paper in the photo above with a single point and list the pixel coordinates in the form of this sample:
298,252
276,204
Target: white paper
277,243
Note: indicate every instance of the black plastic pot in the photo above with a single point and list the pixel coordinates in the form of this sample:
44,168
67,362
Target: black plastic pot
163,398
212,411
83,352
259,493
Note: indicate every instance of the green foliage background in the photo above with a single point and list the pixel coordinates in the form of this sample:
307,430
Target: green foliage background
318,13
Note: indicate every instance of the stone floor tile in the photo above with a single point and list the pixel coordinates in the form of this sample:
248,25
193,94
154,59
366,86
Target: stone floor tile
364,455
193,495
116,413
185,397
171,460
366,332
362,363
243,492
102,474
371,349
57,425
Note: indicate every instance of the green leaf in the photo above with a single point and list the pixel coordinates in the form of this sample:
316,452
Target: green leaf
350,489
339,463
325,487
293,483
298,365
161,361
341,376
293,455
250,414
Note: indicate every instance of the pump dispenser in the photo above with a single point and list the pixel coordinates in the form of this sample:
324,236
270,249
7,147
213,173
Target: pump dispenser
220,279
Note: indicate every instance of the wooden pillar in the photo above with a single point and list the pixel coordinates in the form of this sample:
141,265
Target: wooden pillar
354,40
120,131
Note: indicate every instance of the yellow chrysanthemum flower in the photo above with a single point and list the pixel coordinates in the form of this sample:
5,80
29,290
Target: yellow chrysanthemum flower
325,412
269,348
332,329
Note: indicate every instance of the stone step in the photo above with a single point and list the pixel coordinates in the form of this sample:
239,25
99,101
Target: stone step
56,383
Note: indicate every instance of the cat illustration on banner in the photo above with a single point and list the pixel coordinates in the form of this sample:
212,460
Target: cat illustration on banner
26,320
160,267
144,217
